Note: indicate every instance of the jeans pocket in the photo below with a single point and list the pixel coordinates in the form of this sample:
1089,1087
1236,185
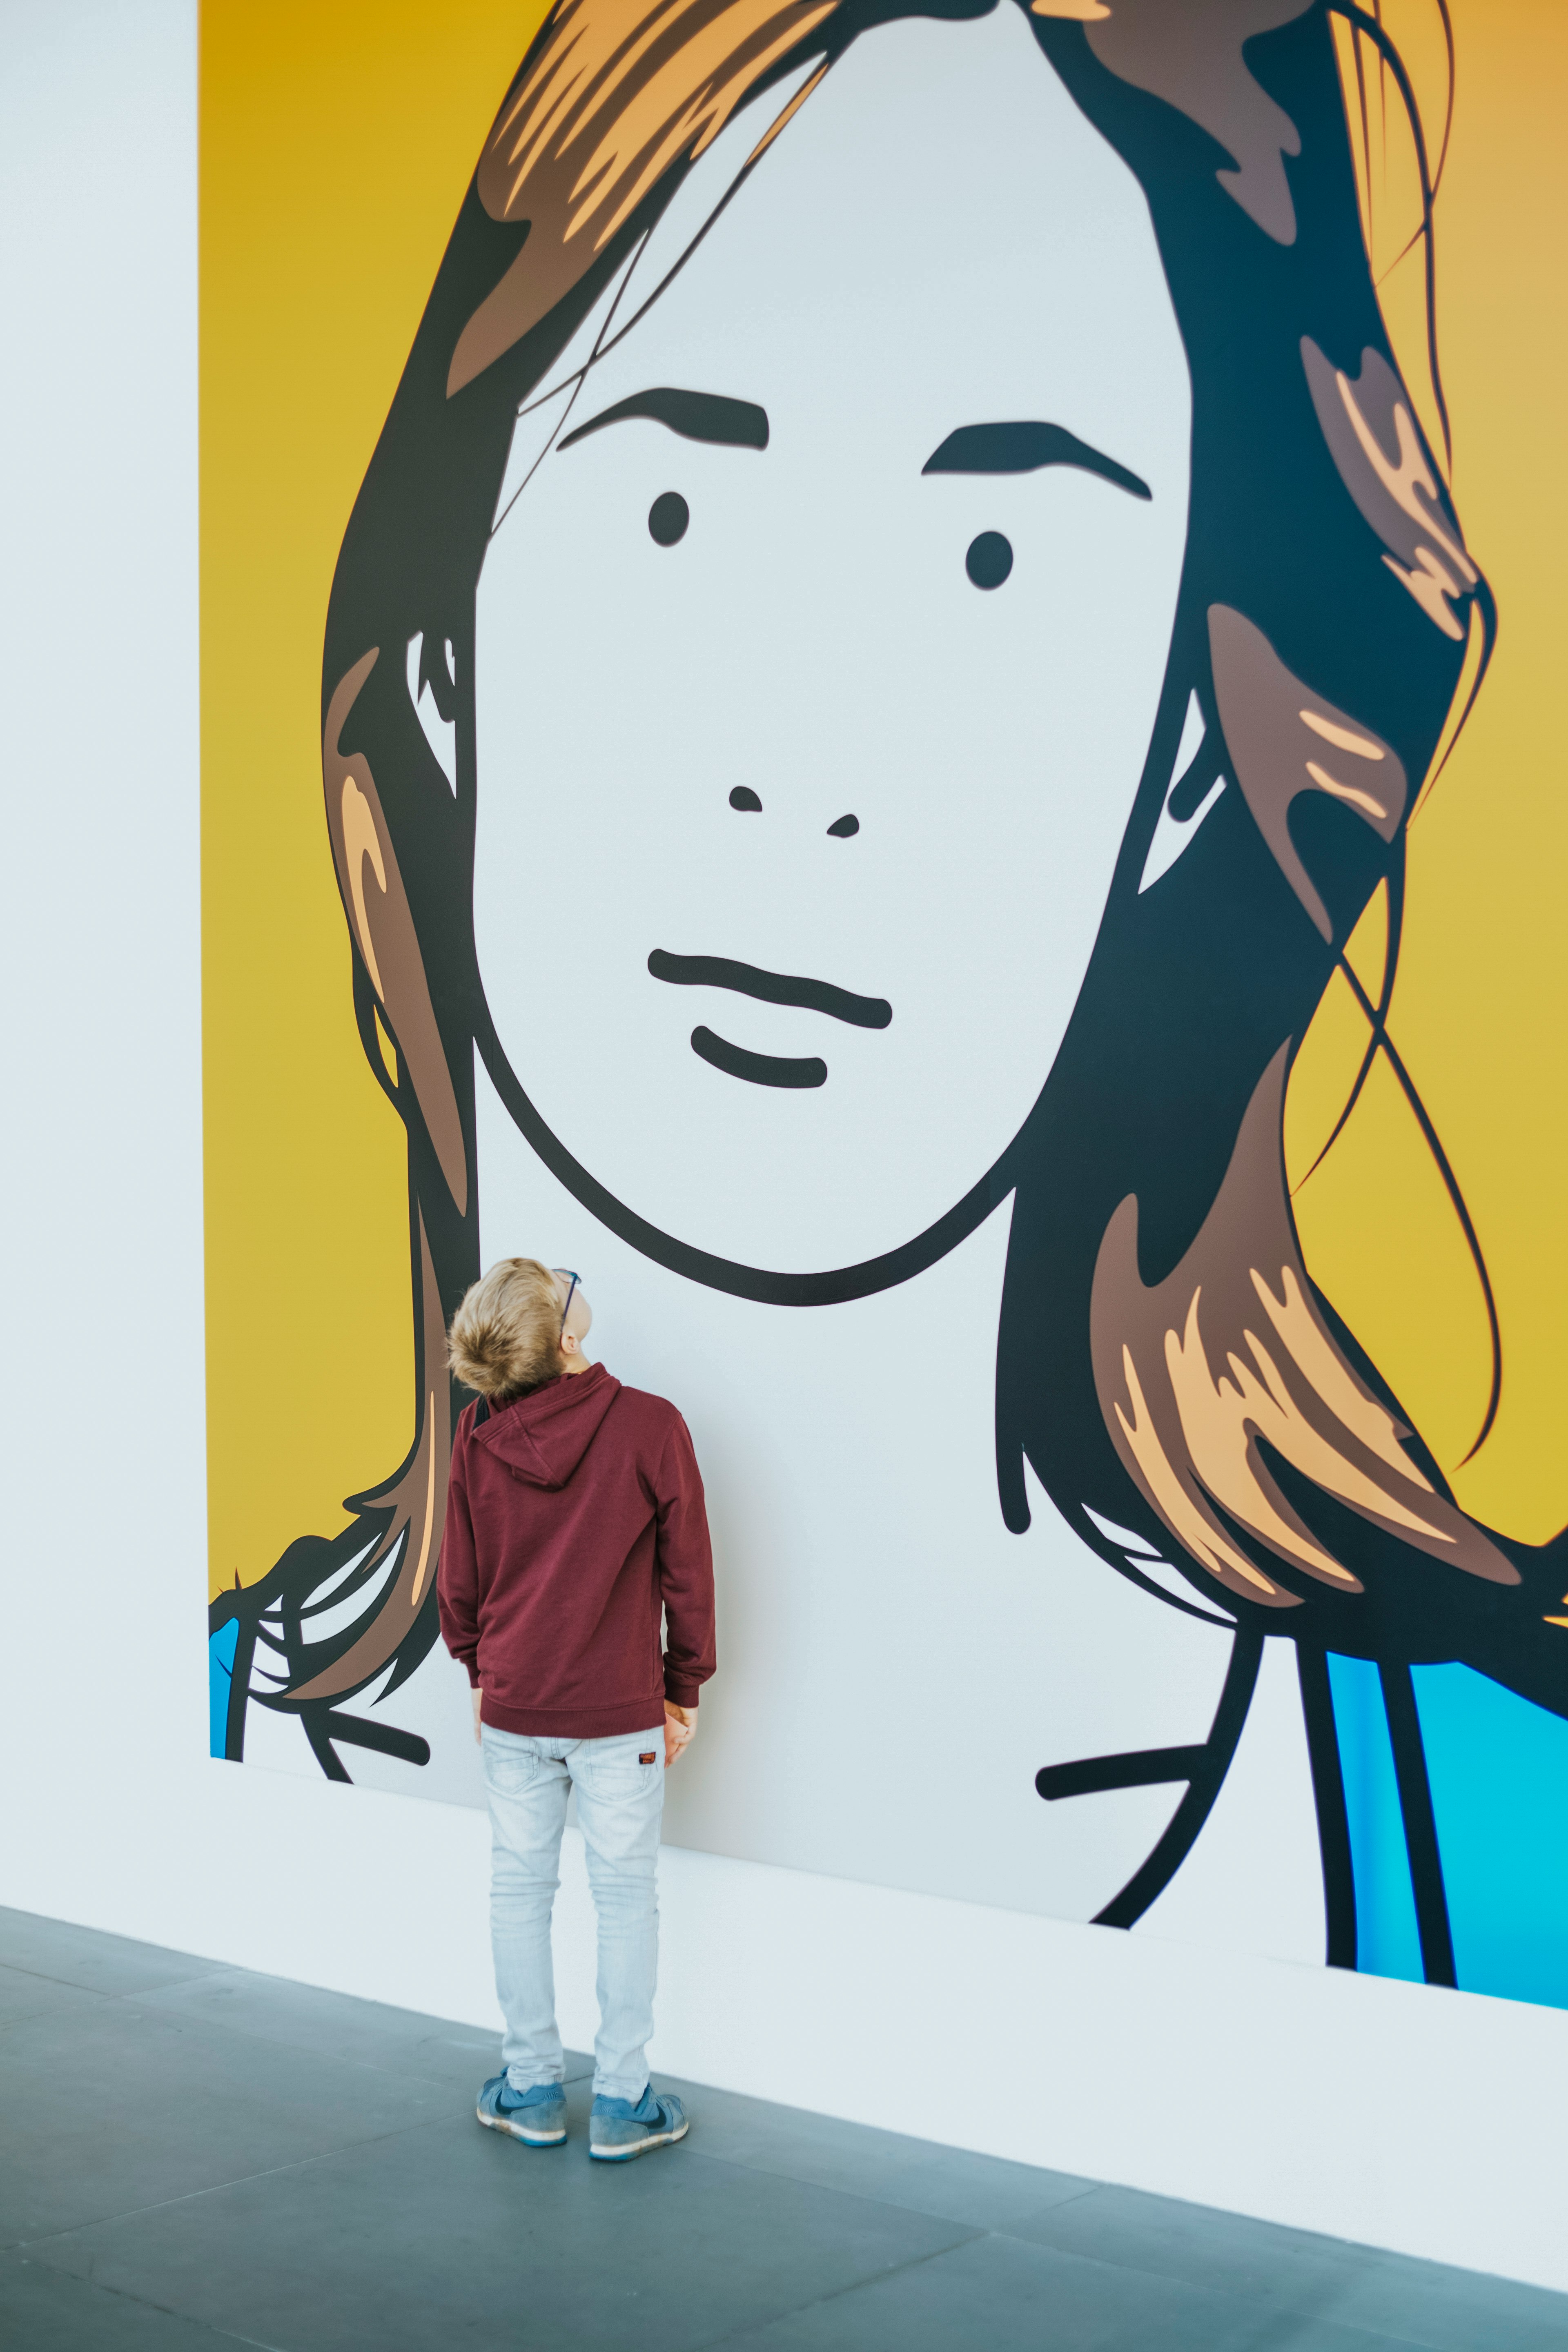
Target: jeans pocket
511,1772
615,1771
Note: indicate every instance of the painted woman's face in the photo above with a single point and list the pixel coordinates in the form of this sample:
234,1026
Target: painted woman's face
815,679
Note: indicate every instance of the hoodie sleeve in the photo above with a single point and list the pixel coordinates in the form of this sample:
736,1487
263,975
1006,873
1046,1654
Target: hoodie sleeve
456,1575
684,1570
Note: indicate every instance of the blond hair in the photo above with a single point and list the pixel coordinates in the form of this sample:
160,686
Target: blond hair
506,1335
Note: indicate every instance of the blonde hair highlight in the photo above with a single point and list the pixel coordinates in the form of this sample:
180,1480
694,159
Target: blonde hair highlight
615,97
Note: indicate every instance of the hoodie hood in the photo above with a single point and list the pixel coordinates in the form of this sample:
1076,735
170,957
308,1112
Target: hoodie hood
543,1438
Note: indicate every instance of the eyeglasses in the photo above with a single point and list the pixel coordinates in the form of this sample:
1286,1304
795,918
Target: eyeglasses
572,1281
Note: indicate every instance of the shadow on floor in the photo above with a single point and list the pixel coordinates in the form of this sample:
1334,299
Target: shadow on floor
193,2157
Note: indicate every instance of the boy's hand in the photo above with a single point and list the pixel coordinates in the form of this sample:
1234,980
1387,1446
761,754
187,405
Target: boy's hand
478,1700
680,1730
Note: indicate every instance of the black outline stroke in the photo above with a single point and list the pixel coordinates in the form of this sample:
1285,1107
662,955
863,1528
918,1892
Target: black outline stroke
710,417
1329,1804
1212,1762
759,1069
771,987
1141,1767
1024,448
768,1287
1420,1823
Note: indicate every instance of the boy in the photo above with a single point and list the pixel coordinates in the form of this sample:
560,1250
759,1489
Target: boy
574,1516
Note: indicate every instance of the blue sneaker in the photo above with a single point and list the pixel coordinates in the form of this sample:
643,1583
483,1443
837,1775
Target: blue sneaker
536,2116
621,2128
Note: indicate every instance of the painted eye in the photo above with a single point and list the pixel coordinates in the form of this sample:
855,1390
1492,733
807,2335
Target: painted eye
670,514
988,561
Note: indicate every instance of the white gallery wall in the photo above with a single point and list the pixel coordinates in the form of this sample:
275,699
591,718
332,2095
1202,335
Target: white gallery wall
1419,2119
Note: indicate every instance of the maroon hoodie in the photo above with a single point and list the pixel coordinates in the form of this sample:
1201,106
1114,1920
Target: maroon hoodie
574,1518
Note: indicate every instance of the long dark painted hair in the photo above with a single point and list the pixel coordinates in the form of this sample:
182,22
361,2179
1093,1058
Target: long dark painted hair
1164,1362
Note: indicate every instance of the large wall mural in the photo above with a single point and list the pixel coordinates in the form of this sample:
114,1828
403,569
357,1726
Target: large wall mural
875,694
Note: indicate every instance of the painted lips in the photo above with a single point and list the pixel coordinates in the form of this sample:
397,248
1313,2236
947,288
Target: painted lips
768,988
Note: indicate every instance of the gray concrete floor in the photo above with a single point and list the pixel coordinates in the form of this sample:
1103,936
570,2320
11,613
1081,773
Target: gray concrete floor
193,2157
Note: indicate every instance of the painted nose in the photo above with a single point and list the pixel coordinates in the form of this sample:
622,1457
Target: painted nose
744,799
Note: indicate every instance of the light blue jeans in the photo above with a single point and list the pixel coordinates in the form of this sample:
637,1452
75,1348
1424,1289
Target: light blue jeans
620,1802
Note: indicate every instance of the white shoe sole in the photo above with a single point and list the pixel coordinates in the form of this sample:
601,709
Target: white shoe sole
639,2146
516,2131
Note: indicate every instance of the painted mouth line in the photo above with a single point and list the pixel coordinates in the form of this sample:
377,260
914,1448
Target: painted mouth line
762,1069
771,988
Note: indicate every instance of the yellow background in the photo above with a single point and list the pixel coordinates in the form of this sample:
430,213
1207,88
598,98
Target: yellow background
337,140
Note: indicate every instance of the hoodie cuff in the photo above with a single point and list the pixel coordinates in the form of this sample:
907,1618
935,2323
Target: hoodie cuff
681,1692
471,1666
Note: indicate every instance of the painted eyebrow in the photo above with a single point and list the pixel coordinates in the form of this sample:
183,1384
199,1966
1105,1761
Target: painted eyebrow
1022,449
695,416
